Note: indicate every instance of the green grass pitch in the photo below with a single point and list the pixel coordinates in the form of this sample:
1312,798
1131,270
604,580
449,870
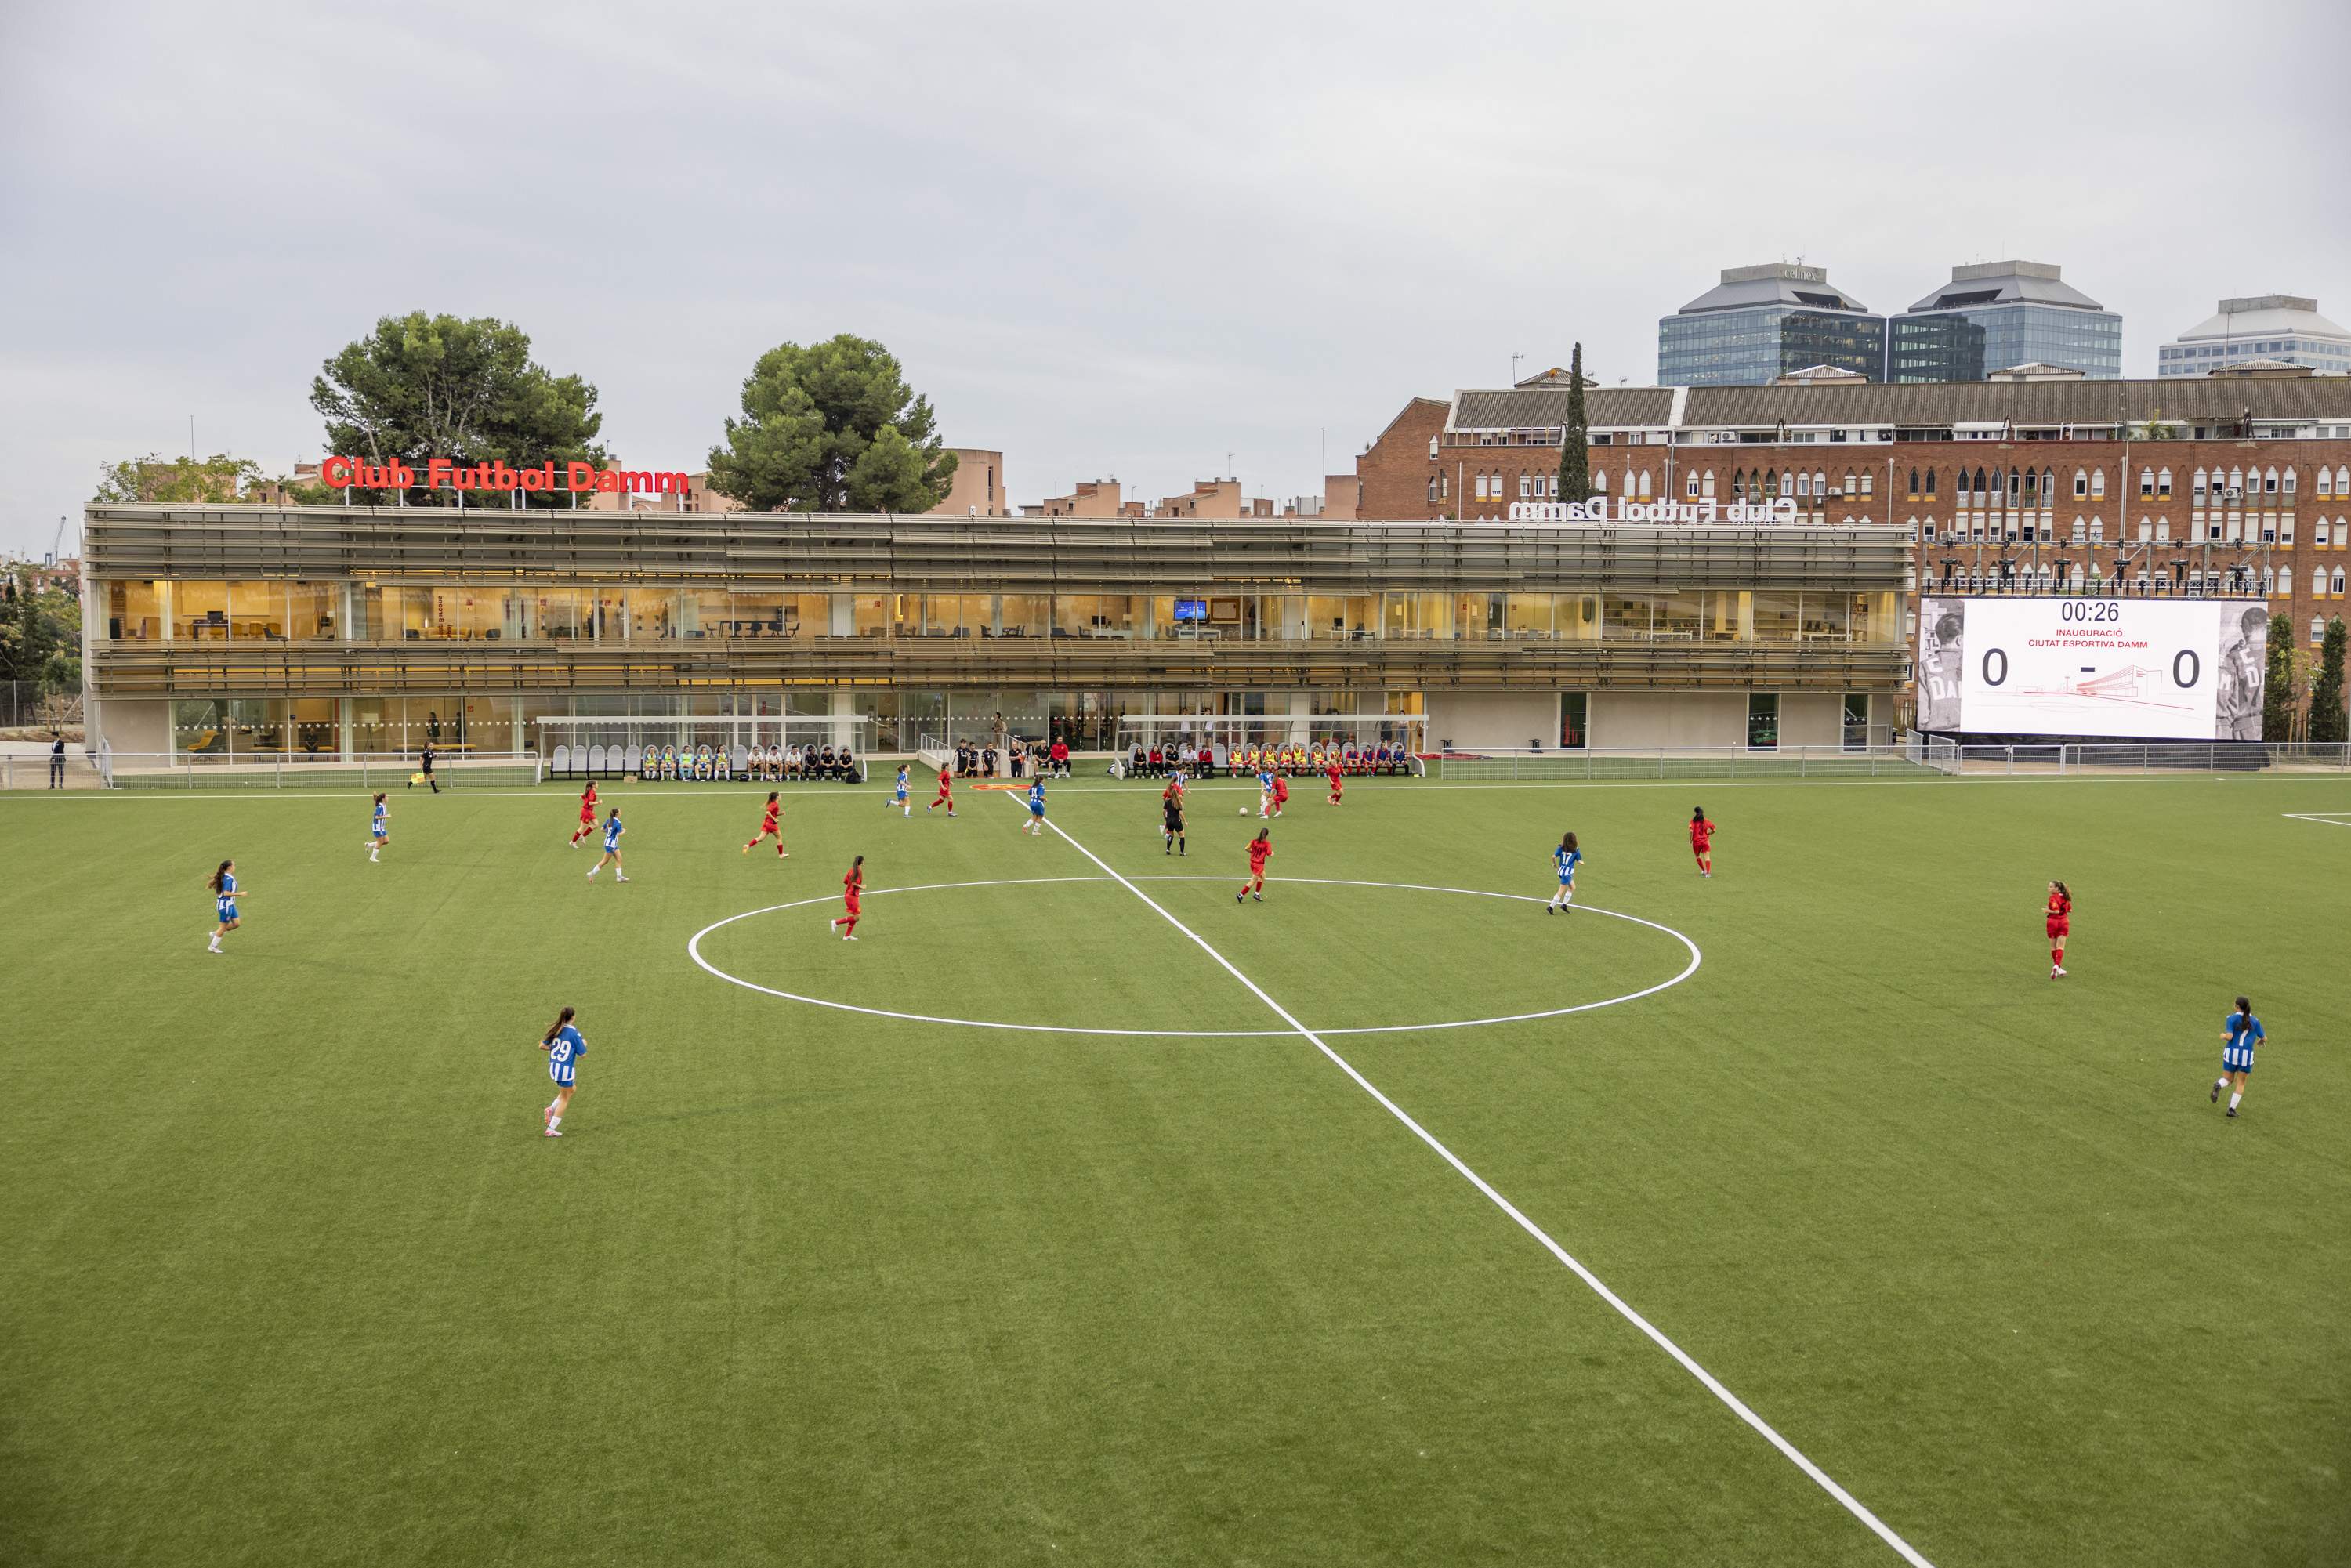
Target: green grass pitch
289,1274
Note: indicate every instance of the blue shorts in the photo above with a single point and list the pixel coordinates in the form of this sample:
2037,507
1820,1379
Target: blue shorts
563,1071
902,792
2231,1062
1036,810
378,832
227,910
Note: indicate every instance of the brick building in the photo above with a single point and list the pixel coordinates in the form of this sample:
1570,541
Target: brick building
2217,485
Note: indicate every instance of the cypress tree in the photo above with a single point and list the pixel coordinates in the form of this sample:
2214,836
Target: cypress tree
1575,447
2277,682
2326,715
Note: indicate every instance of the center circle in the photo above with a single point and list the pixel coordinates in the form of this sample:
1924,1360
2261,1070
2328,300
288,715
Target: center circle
693,950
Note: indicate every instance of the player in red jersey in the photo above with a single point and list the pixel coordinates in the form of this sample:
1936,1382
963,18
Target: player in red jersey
946,790
1702,841
768,828
1260,847
1280,793
850,886
2060,925
1338,777
587,827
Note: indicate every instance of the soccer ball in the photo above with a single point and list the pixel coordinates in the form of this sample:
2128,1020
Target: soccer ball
1244,810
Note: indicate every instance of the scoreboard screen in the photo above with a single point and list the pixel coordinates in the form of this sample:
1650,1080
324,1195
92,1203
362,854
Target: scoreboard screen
2140,669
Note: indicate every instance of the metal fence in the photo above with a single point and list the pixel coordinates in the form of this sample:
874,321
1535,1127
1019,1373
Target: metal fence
25,705
1918,757
1691,762
131,770
2095,757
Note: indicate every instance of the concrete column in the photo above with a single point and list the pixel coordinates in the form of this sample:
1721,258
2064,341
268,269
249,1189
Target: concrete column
844,615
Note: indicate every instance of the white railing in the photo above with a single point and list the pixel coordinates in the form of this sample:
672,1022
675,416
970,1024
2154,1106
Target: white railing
369,771
1916,757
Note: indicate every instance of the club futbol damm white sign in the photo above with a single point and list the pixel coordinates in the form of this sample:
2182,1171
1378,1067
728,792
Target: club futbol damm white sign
1601,509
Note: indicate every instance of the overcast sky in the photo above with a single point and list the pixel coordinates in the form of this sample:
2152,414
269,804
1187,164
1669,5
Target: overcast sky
1107,239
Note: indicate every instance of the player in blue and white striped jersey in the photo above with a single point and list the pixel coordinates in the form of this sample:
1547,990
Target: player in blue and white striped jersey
225,890
1035,822
564,1045
613,832
380,830
2239,1034
1564,859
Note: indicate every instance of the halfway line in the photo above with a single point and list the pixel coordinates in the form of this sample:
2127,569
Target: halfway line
1713,1385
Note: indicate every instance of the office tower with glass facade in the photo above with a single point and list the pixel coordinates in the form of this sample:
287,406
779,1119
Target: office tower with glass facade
1763,322
2286,327
1998,314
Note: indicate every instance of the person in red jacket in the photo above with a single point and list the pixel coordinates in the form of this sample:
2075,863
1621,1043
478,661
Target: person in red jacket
587,827
769,828
1261,848
1702,841
850,886
1059,754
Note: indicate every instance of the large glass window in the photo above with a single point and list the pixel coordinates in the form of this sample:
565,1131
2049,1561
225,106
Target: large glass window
200,611
1776,615
314,611
1026,614
1094,615
1415,615
1574,616
256,610
134,612
1625,615
1477,616
1527,614
1338,615
1681,616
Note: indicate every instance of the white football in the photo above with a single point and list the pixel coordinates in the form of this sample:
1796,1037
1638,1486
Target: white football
1244,810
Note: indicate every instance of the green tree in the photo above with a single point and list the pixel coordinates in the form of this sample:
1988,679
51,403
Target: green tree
40,639
1575,444
2326,714
157,478
831,427
420,387
2277,682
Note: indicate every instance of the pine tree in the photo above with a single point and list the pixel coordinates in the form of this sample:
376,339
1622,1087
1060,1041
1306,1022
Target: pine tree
2277,682
1575,444
2326,714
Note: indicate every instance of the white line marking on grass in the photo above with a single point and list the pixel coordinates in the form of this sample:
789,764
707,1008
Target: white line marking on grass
1713,1385
693,950
2324,819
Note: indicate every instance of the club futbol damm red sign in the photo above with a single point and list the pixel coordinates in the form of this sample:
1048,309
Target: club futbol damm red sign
440,474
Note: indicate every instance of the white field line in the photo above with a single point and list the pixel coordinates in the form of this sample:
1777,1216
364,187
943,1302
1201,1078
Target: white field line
1713,1383
2324,819
694,951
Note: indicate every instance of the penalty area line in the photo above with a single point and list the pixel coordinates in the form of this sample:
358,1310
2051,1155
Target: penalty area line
2324,819
1712,1385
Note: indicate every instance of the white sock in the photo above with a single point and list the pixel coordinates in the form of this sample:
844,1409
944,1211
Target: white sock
555,1121
2240,1094
2220,1084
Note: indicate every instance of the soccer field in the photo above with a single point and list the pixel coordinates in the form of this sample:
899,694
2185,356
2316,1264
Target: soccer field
1204,1259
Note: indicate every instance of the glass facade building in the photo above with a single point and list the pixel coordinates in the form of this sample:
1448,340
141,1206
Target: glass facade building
1763,322
2283,327
1999,315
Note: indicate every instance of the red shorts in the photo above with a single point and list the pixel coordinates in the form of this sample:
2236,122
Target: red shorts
2060,927
588,818
852,901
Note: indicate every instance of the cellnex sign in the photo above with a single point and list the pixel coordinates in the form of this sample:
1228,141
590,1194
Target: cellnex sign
440,474
1601,510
